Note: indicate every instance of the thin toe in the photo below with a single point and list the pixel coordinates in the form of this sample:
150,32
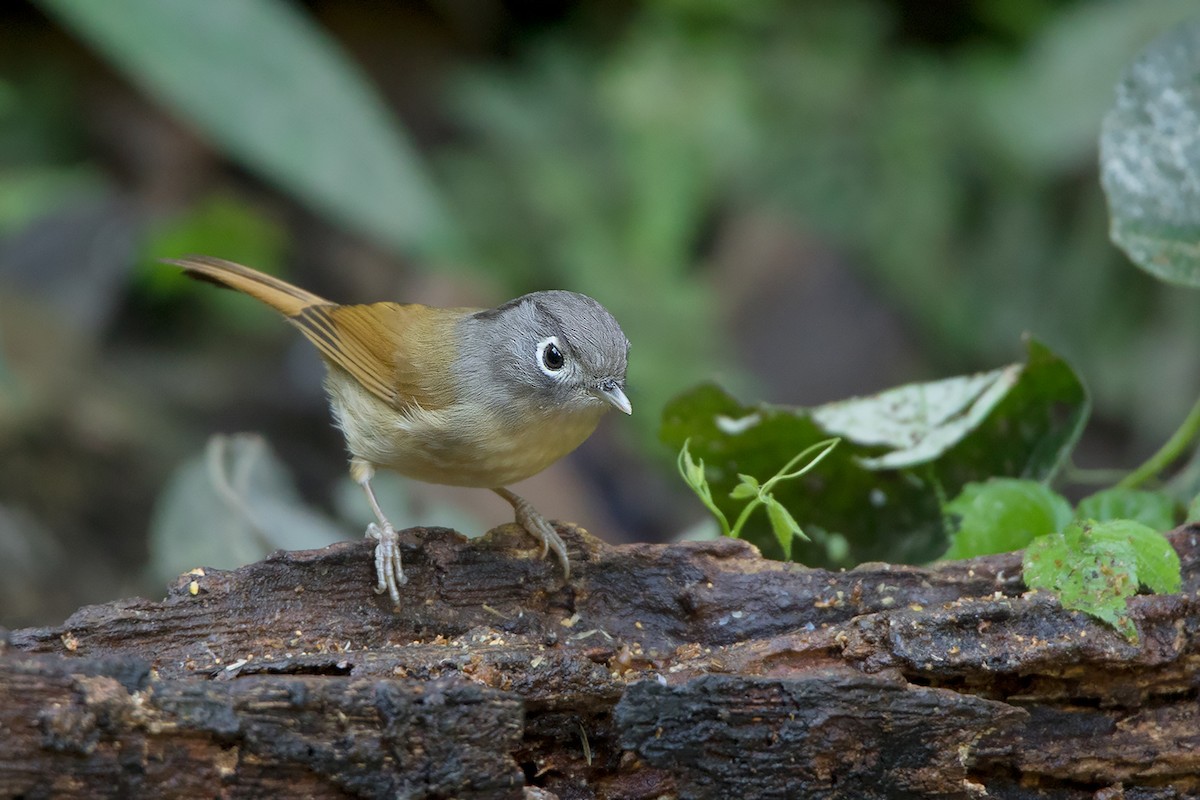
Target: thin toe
389,571
537,526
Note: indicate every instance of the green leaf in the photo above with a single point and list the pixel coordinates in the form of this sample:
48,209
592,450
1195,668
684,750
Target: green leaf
745,489
1095,568
784,525
693,473
276,93
1193,515
1155,509
920,421
1157,563
748,488
1150,155
886,508
1096,578
1004,514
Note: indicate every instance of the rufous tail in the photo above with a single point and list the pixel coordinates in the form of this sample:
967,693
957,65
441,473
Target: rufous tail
280,295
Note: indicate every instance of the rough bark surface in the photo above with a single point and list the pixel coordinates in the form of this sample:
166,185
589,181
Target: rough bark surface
693,670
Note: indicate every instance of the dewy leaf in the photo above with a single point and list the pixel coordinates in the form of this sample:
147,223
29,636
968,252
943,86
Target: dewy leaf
230,506
1155,509
1004,514
1150,157
885,513
277,93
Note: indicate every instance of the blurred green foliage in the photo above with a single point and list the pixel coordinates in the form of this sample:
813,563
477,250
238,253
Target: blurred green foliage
1002,515
39,168
276,93
610,149
607,161
909,448
953,177
221,223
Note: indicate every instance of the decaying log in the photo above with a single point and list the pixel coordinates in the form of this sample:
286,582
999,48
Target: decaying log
691,670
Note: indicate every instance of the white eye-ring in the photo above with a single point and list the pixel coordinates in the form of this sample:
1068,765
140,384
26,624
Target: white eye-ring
550,357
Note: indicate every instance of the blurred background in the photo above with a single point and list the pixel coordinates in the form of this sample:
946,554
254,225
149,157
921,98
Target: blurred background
801,200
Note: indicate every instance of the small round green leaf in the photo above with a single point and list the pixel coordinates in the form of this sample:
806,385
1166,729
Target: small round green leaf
1154,509
1004,514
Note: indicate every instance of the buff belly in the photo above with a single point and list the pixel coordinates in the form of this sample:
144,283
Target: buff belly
458,445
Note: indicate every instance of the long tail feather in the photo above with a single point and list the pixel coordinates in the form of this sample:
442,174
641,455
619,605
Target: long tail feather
280,295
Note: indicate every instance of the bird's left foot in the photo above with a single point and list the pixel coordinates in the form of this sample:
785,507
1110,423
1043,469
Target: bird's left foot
539,528
389,572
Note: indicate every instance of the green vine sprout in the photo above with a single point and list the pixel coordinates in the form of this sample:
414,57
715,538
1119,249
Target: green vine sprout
759,494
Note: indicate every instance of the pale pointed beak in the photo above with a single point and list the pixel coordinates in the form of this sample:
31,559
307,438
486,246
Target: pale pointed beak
610,391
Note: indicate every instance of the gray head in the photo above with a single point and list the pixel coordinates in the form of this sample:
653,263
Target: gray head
557,350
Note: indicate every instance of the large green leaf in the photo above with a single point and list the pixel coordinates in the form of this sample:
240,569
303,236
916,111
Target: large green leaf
275,92
1155,510
1004,514
880,488
1150,157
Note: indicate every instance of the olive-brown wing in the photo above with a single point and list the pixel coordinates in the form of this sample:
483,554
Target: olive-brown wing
400,352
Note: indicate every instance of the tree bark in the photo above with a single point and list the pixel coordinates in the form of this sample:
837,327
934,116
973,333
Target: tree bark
691,670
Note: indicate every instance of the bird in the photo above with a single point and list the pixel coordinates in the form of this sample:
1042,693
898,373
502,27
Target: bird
458,396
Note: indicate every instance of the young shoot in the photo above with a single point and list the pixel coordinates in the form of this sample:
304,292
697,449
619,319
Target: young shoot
758,494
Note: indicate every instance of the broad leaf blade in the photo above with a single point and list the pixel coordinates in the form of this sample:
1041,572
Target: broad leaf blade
1150,155
1153,509
1004,514
275,92
1096,568
920,421
1157,563
1096,578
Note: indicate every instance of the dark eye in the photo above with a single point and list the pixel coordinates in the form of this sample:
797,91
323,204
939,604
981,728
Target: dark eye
552,357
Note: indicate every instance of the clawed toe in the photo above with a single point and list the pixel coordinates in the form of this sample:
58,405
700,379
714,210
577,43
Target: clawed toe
389,572
539,528
552,541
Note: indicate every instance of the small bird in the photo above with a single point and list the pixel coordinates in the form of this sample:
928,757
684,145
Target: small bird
457,396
